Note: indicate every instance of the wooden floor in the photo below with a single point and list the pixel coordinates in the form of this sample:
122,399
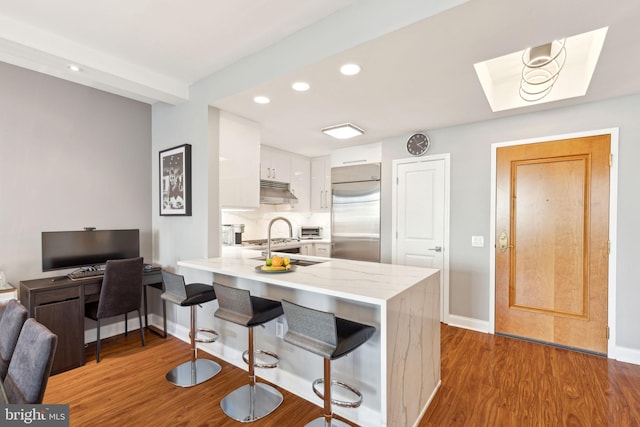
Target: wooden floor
487,380
128,388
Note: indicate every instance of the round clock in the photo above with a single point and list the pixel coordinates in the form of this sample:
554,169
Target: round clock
418,144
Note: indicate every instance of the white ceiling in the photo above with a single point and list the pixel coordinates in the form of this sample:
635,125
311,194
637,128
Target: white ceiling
417,78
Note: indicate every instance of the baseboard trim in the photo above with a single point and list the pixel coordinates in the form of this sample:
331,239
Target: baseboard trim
468,323
627,355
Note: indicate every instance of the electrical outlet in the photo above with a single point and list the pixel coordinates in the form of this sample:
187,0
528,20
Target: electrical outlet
279,329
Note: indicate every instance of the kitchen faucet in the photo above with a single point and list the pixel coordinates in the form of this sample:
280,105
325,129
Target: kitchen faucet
269,232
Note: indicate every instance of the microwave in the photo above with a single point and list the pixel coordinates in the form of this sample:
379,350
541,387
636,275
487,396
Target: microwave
309,232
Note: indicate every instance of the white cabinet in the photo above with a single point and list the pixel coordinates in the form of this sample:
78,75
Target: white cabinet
274,164
359,154
322,249
321,184
300,181
239,142
307,249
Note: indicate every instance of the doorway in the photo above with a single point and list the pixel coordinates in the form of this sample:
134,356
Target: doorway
551,233
420,217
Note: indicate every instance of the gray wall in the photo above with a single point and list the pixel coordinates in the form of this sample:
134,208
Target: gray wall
470,148
70,157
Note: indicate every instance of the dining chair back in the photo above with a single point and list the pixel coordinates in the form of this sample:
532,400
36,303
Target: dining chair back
120,294
11,321
30,366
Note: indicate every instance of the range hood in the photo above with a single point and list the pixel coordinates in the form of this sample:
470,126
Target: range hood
276,193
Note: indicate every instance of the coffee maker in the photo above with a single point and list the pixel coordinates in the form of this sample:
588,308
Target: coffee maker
232,234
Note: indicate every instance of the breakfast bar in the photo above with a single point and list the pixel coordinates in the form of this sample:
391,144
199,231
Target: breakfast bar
397,370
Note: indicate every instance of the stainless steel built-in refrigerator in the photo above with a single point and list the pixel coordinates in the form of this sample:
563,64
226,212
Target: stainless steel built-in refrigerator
355,212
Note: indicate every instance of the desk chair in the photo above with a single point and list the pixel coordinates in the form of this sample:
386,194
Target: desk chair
11,321
195,371
254,400
121,293
331,337
30,366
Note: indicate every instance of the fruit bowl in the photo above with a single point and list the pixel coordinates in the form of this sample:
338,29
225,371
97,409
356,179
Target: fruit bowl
274,270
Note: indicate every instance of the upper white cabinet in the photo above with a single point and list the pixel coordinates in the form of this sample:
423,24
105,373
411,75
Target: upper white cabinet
321,184
368,153
300,181
274,164
239,142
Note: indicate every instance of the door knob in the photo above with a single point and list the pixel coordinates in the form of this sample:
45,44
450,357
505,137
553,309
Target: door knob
436,249
503,242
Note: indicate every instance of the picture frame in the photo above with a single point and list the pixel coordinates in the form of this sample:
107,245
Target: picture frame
175,181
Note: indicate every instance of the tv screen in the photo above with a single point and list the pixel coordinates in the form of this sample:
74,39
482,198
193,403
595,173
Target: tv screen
72,249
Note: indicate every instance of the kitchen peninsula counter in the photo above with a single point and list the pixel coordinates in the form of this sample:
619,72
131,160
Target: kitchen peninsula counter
397,370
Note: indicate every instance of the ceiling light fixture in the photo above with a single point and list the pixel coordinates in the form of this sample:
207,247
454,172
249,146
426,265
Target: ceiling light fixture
350,69
343,131
542,66
261,100
73,67
300,86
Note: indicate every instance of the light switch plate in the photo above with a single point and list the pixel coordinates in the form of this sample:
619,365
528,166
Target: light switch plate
477,241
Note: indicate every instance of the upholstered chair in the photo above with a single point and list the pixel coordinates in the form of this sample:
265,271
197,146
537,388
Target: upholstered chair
30,366
11,321
120,294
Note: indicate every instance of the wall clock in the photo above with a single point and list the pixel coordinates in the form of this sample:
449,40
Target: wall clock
418,144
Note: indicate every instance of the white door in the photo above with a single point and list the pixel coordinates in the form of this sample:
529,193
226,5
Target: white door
421,217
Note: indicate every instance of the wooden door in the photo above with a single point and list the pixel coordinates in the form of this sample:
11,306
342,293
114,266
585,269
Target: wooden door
552,226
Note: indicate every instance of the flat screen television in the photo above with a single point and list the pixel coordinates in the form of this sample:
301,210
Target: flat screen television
74,249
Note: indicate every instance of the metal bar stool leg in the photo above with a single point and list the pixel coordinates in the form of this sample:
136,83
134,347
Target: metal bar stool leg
254,400
195,371
328,410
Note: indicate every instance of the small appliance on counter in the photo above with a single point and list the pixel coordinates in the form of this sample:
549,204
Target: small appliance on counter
232,234
310,232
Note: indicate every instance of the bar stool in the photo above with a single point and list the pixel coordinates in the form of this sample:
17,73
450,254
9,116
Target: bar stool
254,400
195,371
331,337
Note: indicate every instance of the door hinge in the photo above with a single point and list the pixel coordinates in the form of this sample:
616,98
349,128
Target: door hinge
610,159
608,246
608,332
397,180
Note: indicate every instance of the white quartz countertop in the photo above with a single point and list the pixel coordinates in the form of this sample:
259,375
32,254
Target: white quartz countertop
369,282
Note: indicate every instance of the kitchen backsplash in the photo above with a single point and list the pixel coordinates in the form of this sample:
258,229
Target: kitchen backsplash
256,222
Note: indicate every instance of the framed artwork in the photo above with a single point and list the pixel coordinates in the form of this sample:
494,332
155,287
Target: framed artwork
175,181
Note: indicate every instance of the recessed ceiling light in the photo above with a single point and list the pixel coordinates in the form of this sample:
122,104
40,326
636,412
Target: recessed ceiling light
300,86
343,131
73,67
261,100
350,69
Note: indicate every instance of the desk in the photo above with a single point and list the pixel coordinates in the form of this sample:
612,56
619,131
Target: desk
58,304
